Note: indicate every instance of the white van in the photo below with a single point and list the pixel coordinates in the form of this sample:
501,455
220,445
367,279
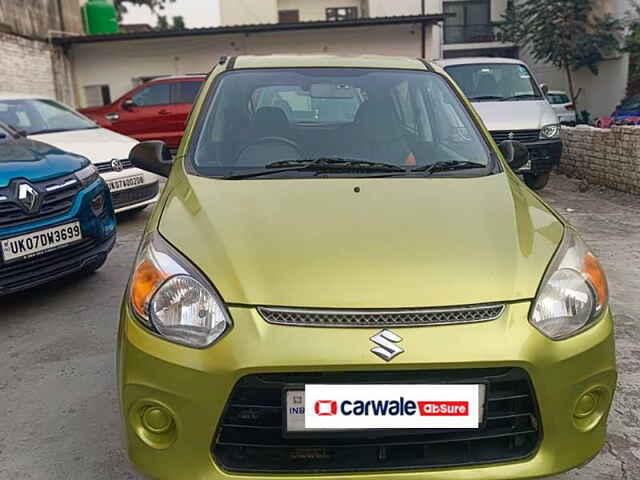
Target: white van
513,107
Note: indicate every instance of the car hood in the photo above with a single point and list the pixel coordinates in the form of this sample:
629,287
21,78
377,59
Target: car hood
35,161
396,243
97,144
519,115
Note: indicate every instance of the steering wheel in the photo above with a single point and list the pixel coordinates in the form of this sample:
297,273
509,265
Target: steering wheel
270,141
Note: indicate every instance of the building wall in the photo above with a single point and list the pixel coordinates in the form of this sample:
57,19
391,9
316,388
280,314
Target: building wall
247,12
120,64
26,66
315,9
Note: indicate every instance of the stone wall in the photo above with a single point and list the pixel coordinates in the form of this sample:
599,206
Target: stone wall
609,157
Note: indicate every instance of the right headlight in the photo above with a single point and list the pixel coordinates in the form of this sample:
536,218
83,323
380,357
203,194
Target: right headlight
173,299
573,294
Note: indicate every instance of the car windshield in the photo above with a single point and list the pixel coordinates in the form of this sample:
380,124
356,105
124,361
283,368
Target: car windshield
397,119
495,81
558,98
36,116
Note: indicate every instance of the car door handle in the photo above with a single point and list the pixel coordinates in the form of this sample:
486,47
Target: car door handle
164,112
112,117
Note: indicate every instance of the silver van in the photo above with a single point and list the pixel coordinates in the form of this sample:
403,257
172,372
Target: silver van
513,107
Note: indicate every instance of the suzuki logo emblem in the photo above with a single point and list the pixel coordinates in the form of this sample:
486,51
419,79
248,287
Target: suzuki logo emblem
116,165
387,348
28,197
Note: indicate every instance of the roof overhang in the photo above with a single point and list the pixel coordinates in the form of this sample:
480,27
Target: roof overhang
253,29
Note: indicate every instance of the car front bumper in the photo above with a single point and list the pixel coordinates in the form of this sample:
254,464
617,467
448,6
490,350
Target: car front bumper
99,234
139,196
194,386
543,156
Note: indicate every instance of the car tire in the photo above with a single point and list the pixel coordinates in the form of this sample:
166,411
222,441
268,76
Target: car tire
537,182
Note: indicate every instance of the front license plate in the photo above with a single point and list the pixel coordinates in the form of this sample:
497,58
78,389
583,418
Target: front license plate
37,243
372,407
124,183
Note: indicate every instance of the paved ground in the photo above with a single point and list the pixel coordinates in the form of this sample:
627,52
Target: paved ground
58,405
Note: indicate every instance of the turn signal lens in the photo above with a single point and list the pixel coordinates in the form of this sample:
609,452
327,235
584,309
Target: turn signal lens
573,292
146,279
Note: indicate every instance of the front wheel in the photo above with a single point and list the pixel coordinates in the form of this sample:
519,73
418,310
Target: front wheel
536,182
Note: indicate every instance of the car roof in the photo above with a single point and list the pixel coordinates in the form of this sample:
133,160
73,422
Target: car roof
474,60
22,96
302,61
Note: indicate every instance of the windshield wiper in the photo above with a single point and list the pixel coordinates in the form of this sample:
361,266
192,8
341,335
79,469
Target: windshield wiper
318,165
486,97
520,97
449,165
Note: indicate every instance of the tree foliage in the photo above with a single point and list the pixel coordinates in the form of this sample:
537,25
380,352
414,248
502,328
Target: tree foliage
163,23
154,5
569,34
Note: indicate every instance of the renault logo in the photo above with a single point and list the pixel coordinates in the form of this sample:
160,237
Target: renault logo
387,348
511,135
116,165
28,197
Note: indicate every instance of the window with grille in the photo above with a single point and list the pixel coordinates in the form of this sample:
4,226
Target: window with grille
338,14
289,16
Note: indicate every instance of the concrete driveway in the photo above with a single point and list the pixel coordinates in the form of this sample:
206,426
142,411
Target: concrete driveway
58,405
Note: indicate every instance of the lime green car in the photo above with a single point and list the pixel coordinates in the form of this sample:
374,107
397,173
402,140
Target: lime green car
345,279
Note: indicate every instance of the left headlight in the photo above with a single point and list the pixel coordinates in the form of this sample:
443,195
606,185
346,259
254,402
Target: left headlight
549,132
87,175
171,298
574,292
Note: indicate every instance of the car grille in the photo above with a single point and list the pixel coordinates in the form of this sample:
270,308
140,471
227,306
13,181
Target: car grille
106,167
380,318
25,273
131,196
58,197
524,136
250,435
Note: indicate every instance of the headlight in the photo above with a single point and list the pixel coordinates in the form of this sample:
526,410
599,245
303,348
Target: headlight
171,298
87,175
549,132
573,293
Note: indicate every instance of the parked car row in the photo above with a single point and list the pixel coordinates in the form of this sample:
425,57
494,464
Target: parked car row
62,178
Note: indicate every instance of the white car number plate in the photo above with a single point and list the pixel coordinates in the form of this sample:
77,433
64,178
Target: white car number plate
35,243
371,407
124,183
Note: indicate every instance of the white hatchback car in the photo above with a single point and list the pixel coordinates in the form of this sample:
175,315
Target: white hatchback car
49,121
563,106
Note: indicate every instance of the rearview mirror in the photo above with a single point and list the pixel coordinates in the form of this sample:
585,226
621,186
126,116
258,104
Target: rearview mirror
515,153
128,104
545,88
152,156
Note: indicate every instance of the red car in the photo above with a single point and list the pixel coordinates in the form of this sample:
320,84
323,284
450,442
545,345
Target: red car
156,110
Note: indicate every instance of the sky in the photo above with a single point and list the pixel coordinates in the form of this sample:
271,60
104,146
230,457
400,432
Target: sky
196,13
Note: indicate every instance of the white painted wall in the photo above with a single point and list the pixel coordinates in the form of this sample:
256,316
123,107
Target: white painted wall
315,9
248,12
117,64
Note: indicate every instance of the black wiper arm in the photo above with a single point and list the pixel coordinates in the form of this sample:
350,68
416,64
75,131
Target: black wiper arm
517,97
331,163
486,97
450,165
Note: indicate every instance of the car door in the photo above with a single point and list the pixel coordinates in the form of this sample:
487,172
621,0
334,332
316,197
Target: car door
147,117
183,95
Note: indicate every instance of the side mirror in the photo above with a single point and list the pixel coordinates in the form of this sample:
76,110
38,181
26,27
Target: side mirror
128,104
545,88
515,153
152,156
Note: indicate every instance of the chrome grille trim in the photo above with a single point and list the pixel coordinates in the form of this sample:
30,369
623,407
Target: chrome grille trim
423,317
55,188
3,198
